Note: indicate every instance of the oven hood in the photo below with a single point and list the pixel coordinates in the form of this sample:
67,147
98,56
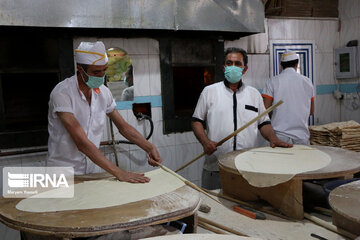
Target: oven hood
233,16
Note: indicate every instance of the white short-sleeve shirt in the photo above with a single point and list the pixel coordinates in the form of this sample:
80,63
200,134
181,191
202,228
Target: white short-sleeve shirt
290,118
66,97
217,105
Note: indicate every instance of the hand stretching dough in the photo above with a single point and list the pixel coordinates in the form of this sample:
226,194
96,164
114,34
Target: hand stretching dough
103,193
266,166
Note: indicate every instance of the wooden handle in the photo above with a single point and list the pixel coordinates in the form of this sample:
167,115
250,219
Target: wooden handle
328,226
218,225
187,182
236,132
245,212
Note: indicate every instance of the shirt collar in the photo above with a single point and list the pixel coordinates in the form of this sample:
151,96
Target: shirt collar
289,69
226,83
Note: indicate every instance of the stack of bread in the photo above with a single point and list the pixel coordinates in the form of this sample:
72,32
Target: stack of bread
338,134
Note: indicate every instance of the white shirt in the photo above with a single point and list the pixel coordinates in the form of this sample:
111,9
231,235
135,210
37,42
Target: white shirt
66,97
216,107
297,92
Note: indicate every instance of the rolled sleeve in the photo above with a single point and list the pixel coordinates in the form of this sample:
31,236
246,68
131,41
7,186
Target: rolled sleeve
110,104
269,90
265,119
201,108
60,102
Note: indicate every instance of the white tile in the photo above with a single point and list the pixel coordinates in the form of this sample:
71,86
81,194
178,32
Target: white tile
139,161
156,114
324,68
141,75
154,75
349,9
349,31
257,43
248,75
124,114
185,153
168,156
260,70
276,29
143,127
123,159
185,138
327,109
326,35
158,137
153,46
118,135
239,43
136,45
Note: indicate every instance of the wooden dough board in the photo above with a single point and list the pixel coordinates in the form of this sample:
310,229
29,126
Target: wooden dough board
273,228
287,197
345,202
181,203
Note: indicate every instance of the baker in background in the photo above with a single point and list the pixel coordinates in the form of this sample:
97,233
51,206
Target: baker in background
224,107
128,92
77,111
290,120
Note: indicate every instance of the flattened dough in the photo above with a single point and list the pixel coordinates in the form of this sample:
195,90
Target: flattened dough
103,193
266,166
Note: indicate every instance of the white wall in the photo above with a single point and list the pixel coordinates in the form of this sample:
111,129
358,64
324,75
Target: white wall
349,14
325,35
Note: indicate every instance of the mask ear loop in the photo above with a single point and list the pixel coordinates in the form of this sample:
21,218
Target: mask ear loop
82,75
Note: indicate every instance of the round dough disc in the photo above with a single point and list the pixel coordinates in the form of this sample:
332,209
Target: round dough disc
103,193
266,166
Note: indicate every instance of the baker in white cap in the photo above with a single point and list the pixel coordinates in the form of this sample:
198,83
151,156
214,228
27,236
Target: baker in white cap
290,120
77,111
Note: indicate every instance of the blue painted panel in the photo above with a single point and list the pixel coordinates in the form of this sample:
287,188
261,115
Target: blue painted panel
155,101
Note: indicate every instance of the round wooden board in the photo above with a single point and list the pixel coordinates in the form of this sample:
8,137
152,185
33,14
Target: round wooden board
343,162
345,201
180,203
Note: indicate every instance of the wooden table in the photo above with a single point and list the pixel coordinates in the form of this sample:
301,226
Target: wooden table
345,202
287,197
179,204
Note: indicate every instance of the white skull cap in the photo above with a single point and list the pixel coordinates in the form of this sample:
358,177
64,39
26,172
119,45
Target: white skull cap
91,53
289,55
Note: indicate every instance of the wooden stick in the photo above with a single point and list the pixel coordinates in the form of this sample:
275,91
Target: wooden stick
259,208
187,182
328,226
325,211
218,225
234,133
211,228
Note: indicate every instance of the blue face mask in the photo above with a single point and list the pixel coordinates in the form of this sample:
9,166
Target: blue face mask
125,82
93,82
233,74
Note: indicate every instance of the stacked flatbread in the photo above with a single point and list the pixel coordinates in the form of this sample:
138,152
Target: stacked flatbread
338,134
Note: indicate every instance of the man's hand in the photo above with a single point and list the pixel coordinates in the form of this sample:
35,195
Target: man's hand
132,177
276,142
209,147
154,156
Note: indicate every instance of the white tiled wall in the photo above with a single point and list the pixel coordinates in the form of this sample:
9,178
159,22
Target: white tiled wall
326,37
349,11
